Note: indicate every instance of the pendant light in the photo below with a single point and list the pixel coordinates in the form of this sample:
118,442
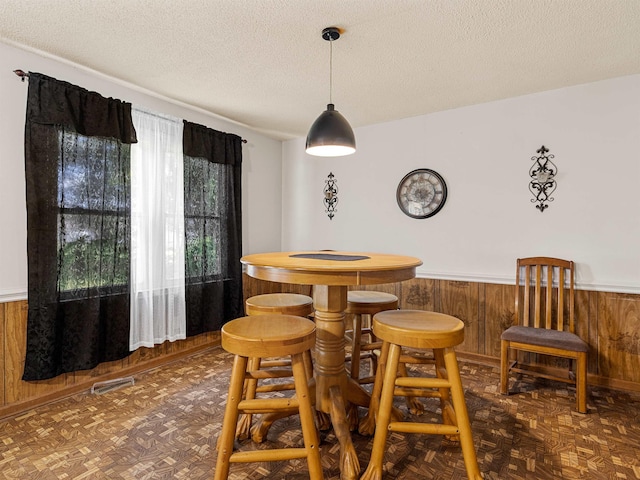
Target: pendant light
330,135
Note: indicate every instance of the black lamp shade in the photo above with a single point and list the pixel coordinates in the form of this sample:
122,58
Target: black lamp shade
330,135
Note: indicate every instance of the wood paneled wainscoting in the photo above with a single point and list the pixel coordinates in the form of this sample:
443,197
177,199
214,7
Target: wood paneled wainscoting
608,321
17,395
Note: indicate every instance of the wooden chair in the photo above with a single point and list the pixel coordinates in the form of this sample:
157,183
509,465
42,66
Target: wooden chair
422,330
259,337
544,323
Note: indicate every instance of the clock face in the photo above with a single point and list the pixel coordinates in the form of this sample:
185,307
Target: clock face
421,193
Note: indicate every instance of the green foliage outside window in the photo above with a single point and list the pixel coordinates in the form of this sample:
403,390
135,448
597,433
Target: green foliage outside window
202,203
93,212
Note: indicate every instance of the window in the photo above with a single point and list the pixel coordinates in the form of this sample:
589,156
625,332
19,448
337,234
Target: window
80,251
203,218
93,214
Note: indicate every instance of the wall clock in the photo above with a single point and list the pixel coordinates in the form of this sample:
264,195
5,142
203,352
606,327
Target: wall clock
421,193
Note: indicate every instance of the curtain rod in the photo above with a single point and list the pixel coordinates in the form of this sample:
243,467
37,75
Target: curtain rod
22,74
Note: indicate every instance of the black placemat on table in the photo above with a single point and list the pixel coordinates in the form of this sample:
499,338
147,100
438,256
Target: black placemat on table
330,256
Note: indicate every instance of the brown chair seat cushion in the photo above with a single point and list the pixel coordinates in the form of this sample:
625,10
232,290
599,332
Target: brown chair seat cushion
545,338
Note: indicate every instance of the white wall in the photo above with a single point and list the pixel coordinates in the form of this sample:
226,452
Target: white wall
261,169
482,151
484,154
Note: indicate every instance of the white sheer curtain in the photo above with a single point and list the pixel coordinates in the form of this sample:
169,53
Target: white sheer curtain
157,231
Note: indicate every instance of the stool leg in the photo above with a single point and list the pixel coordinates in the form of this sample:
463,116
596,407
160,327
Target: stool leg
243,429
225,444
356,343
368,423
309,433
373,358
308,364
374,469
448,412
356,339
462,416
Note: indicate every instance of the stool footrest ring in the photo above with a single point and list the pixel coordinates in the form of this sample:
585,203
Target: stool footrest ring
421,382
276,387
272,373
266,405
431,428
272,455
416,392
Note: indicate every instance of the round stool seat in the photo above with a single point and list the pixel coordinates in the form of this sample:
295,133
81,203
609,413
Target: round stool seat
418,329
285,303
365,302
268,335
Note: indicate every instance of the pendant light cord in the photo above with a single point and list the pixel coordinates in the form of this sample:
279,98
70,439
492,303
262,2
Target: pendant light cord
331,70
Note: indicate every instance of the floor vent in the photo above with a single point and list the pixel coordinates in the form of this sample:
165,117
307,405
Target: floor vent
99,388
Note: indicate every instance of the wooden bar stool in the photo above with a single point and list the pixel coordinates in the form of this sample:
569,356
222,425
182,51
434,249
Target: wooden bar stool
269,304
420,330
362,305
268,336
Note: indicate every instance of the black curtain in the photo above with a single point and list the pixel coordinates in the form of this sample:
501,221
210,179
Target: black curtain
213,227
77,146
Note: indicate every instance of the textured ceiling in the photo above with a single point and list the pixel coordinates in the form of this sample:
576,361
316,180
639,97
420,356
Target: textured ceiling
263,63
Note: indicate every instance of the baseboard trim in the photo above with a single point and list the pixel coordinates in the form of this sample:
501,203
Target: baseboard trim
479,358
18,408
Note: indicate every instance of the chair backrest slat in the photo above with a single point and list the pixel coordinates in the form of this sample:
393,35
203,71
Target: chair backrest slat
538,296
561,289
538,273
549,299
527,293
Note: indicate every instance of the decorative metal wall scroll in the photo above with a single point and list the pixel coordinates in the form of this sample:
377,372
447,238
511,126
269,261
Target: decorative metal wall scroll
543,178
330,195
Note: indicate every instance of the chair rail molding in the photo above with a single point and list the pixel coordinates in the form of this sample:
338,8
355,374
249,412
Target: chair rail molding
511,280
7,296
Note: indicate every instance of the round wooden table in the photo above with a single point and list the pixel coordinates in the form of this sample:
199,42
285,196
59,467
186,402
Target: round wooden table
331,273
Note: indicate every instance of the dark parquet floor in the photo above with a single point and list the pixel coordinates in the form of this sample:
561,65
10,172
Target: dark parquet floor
165,426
